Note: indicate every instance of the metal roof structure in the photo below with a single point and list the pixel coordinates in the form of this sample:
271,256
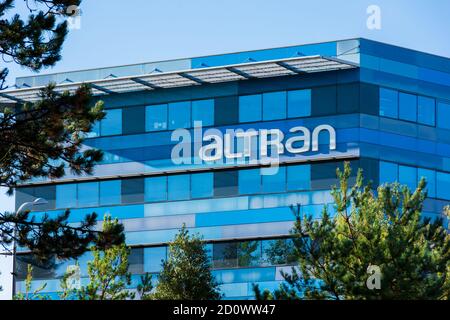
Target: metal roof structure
163,80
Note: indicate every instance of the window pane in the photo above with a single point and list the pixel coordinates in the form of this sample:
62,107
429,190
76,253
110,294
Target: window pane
153,258
250,108
408,107
274,182
203,110
225,255
388,103
426,110
112,123
277,252
430,176
179,115
155,189
299,103
388,172
202,185
249,181
274,105
95,131
299,177
225,183
443,115
443,185
249,253
66,196
408,176
179,187
156,117
110,192
133,190
88,194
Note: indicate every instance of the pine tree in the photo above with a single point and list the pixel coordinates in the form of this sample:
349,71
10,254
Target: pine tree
339,255
186,274
44,139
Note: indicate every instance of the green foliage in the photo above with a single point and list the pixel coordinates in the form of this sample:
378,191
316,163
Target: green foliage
29,294
186,274
383,229
108,272
145,287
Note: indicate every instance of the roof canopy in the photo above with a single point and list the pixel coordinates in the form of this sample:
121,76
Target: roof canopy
162,80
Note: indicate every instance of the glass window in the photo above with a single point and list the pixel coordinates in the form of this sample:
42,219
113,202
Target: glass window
155,189
443,185
112,123
202,185
250,108
299,103
274,105
66,196
430,176
388,172
203,110
407,107
426,111
88,194
273,182
408,176
133,190
179,115
153,258
299,177
249,181
443,115
225,183
156,117
388,103
277,252
95,131
225,255
249,253
179,187
110,192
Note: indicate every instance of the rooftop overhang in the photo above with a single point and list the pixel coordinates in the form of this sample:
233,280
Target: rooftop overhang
193,77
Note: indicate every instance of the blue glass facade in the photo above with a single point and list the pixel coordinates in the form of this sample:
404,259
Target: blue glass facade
391,113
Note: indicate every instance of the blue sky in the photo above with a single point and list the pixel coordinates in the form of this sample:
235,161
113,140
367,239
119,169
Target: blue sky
125,32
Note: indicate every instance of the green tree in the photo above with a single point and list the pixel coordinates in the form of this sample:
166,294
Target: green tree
369,230
29,294
44,138
108,272
186,273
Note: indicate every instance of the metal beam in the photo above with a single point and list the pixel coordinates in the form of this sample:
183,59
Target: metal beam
192,78
290,68
95,86
240,73
145,83
7,96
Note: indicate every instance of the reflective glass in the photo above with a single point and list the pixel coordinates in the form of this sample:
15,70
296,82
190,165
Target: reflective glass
156,117
88,194
155,189
66,196
274,182
443,115
110,192
388,172
202,185
430,176
299,177
408,176
426,111
299,103
443,185
203,110
112,123
407,106
153,258
225,255
250,108
388,103
274,105
179,187
179,115
249,253
249,181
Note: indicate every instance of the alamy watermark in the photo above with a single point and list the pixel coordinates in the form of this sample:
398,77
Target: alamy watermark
374,19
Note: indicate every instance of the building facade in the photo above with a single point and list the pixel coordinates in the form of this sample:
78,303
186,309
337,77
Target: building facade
303,110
